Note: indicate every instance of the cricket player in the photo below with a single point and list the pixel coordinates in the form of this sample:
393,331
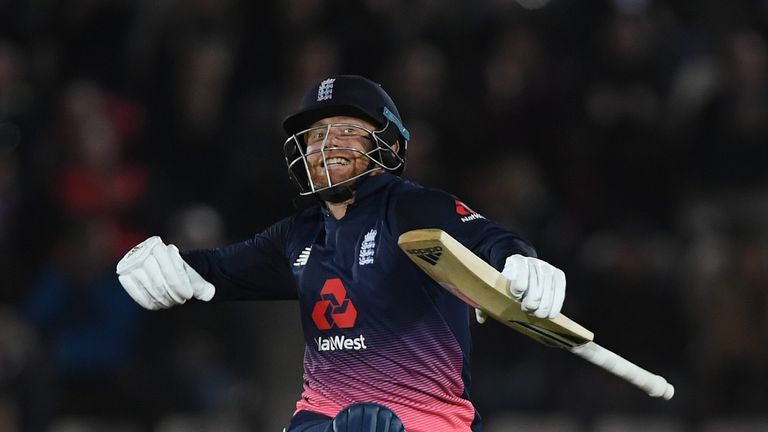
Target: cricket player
387,348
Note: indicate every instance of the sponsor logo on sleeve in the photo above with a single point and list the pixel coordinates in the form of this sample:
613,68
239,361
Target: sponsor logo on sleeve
466,213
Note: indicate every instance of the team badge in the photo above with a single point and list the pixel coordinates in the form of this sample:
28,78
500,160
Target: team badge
367,248
325,91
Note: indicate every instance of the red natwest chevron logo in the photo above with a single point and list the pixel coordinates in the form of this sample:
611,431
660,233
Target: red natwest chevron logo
334,309
462,209
466,213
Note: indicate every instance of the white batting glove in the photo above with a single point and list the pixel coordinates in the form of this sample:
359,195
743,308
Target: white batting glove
156,277
539,285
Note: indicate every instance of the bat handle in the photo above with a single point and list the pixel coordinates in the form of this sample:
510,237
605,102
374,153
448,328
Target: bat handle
654,385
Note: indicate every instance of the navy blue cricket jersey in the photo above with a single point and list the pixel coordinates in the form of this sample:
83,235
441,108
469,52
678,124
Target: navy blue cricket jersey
377,328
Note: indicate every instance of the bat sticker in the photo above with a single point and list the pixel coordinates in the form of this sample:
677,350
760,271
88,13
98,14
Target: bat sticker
430,255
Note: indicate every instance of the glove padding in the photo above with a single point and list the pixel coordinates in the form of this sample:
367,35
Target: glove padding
156,277
540,286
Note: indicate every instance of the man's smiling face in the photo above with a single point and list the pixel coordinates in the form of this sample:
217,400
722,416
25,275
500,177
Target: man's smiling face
336,148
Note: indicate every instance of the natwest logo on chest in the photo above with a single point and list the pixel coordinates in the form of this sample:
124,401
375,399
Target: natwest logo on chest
334,309
338,343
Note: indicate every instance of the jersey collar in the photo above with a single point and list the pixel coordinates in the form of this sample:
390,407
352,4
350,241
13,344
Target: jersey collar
367,186
372,184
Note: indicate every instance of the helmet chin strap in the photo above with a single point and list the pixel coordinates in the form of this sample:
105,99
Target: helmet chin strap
334,195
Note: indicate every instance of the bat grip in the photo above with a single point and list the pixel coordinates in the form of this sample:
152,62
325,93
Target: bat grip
654,385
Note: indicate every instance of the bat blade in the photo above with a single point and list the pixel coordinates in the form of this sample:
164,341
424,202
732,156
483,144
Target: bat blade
480,285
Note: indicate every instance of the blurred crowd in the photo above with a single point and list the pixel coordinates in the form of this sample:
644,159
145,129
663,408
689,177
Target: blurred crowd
627,139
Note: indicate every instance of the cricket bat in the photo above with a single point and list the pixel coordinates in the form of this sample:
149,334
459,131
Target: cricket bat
480,285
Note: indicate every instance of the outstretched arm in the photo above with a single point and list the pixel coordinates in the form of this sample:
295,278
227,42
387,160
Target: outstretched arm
157,276
539,285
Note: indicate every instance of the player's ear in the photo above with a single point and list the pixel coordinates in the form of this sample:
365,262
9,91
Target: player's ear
396,147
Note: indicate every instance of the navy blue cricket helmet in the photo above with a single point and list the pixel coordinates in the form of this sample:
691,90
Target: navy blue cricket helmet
351,96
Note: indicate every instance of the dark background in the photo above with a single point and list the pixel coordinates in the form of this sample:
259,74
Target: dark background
627,139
